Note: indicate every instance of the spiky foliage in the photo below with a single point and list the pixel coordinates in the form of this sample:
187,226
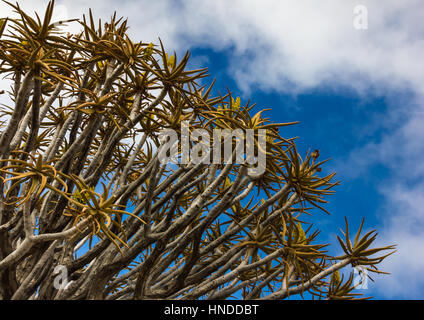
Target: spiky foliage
82,185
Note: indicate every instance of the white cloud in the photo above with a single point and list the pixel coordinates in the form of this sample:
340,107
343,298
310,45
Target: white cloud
294,45
404,226
276,43
402,215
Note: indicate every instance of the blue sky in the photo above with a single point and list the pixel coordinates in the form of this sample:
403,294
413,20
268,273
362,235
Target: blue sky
358,95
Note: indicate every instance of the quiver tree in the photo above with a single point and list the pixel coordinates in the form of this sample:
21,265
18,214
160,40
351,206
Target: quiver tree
83,189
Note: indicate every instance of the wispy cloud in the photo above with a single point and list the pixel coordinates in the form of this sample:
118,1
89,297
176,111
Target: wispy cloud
403,224
283,45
